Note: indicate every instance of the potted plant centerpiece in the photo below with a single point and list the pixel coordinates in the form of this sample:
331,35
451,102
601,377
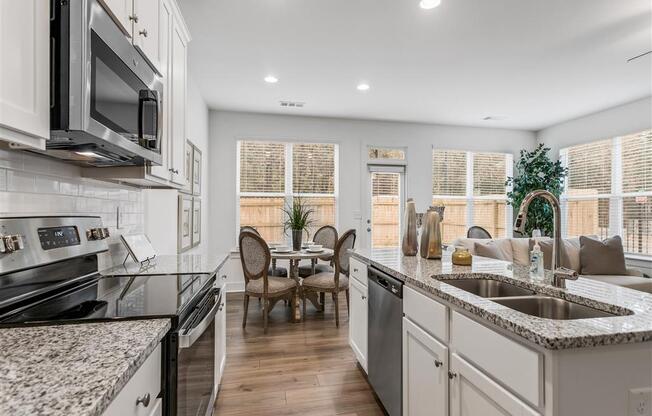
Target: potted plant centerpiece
298,219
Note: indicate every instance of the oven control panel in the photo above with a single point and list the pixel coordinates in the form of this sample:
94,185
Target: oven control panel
57,237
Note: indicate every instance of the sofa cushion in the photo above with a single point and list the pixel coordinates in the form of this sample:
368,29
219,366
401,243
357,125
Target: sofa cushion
497,249
469,243
602,257
521,251
632,282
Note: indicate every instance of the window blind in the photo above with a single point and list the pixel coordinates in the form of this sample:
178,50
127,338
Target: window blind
449,172
262,167
385,184
636,157
489,174
589,169
313,168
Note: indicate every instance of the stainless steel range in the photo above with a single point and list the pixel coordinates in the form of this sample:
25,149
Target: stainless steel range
49,275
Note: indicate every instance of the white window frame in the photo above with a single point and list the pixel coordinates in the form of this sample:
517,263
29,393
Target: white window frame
288,194
470,198
615,198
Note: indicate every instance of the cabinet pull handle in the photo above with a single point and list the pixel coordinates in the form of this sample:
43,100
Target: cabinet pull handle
438,363
143,32
143,400
133,18
452,375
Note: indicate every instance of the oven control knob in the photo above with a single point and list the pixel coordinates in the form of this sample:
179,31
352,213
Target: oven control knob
11,243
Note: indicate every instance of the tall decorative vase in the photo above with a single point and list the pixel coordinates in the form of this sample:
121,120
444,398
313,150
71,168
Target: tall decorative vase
409,243
431,245
296,239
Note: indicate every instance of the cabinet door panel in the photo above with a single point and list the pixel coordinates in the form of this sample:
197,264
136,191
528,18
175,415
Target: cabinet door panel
178,77
425,373
146,30
121,11
473,393
164,36
358,321
24,73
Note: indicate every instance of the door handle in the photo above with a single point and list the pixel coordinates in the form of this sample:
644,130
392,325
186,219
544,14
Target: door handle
369,229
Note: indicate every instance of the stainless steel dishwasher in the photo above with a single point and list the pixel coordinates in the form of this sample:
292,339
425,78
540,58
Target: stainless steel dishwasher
385,339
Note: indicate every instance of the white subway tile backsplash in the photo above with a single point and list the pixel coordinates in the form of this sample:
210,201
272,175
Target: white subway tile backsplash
19,181
36,185
3,179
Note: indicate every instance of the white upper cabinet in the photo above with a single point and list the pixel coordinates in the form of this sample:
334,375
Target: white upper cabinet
122,12
25,72
164,38
178,113
147,28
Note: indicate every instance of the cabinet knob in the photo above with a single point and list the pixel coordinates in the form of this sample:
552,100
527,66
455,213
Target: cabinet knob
363,297
143,32
355,270
438,363
143,400
452,375
133,18
223,277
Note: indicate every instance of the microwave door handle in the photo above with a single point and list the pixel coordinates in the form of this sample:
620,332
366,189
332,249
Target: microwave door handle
188,338
145,96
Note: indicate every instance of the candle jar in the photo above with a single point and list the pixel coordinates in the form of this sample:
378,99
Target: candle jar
462,256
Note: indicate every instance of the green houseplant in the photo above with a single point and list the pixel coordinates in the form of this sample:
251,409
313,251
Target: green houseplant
536,171
297,219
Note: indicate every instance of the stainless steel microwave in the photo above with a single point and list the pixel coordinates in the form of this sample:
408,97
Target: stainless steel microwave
106,100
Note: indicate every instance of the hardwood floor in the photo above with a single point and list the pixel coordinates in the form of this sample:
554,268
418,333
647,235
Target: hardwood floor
302,368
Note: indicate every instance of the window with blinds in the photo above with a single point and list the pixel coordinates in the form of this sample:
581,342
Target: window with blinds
471,185
609,190
268,180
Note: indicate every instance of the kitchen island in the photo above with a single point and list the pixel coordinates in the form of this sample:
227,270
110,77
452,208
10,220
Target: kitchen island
464,353
75,369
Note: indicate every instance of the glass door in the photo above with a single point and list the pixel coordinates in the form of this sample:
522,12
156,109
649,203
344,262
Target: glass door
386,189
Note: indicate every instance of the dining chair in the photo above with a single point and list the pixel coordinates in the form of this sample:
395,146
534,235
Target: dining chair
477,232
275,270
327,237
255,258
336,281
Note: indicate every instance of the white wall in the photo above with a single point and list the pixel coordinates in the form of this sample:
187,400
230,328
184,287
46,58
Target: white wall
353,137
618,121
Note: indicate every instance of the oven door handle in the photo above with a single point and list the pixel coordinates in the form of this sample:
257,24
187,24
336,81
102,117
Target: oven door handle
188,338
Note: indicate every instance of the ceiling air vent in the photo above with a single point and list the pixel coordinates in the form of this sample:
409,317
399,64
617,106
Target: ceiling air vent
292,104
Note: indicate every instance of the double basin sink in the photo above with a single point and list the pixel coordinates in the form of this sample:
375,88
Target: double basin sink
525,300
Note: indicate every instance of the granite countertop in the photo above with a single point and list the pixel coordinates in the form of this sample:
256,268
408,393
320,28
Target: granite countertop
72,369
180,264
551,334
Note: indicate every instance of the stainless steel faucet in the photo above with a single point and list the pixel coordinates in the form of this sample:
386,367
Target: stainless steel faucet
560,274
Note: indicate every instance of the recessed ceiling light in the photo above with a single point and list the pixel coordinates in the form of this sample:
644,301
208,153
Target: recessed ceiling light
271,79
429,4
363,87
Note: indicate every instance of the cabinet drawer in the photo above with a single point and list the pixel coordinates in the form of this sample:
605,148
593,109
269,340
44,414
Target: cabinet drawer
514,365
147,380
426,312
358,270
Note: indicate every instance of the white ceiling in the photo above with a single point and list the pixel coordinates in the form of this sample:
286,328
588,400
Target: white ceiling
534,62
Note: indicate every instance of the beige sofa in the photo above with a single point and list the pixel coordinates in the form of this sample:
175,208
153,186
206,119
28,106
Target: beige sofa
517,250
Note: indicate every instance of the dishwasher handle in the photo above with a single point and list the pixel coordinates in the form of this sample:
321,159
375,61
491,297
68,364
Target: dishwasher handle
386,281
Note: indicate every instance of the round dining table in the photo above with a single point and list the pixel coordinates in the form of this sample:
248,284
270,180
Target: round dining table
294,257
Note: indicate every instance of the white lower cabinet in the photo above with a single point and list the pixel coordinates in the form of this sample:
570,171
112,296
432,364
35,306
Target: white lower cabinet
358,315
425,373
473,393
139,397
220,340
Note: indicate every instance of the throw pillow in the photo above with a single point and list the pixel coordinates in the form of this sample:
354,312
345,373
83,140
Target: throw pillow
521,251
497,249
602,257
